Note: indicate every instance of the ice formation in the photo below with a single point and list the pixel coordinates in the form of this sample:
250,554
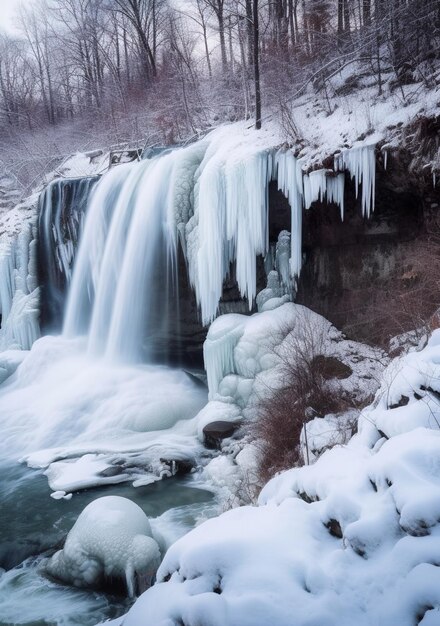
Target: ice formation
302,190
230,219
19,292
245,359
111,539
360,162
352,539
290,182
248,348
212,197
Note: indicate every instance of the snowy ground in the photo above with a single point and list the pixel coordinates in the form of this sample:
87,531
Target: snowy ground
352,539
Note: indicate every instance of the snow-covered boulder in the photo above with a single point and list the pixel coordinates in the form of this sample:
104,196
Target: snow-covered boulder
111,539
249,358
352,539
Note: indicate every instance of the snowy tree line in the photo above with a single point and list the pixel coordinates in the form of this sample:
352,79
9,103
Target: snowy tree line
178,67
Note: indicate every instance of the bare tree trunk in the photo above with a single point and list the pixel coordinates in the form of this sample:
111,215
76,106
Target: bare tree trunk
231,48
291,24
340,17
221,31
346,16
257,66
250,34
208,58
366,12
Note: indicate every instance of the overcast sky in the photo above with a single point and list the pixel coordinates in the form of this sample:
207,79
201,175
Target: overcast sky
7,9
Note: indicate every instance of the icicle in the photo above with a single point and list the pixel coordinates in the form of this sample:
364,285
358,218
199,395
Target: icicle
385,159
290,182
231,218
283,251
361,163
218,349
315,187
335,191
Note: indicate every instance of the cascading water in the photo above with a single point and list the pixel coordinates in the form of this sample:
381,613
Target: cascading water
61,213
126,252
91,407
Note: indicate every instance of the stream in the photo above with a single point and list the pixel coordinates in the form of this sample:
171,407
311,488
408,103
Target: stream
33,525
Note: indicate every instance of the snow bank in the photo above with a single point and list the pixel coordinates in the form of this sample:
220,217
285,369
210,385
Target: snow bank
409,395
111,539
352,539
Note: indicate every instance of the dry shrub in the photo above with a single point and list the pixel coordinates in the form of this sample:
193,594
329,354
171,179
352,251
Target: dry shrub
308,388
414,294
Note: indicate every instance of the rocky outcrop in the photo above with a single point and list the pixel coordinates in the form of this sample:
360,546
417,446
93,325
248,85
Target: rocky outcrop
371,278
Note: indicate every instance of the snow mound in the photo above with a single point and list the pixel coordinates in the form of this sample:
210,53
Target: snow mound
110,539
410,393
352,539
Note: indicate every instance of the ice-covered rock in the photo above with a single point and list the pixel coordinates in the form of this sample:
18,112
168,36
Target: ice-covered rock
19,292
352,539
111,539
245,360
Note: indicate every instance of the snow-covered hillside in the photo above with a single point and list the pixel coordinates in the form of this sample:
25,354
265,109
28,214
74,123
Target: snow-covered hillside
352,539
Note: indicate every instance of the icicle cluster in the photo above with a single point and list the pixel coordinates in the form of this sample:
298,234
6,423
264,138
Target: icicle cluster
213,197
19,293
302,190
361,163
290,182
230,223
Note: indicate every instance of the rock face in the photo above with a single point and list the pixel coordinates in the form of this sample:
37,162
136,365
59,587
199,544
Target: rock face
369,277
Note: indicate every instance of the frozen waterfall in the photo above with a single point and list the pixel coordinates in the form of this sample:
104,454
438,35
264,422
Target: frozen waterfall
211,198
85,402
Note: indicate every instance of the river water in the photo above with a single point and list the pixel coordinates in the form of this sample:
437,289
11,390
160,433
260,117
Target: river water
33,525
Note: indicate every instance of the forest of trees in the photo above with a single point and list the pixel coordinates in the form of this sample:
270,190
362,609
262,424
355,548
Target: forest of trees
176,67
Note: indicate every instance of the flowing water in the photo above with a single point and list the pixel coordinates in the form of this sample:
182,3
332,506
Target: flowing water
92,407
33,525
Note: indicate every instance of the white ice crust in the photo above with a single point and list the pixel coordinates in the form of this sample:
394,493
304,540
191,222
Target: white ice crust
352,539
112,539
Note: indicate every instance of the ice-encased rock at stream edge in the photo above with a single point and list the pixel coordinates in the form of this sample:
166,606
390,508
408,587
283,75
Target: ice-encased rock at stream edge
110,541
